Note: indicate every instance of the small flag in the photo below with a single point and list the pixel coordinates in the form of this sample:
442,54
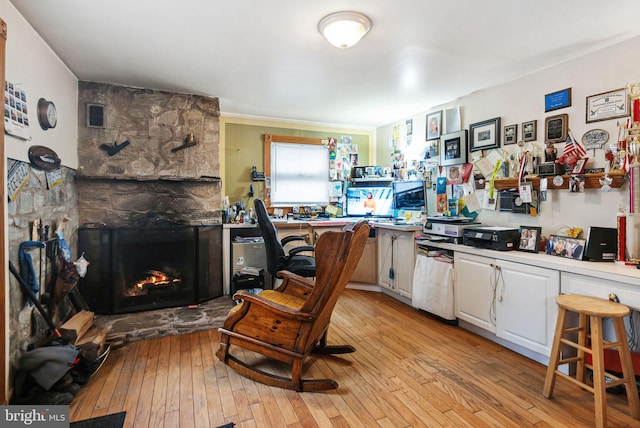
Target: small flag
572,146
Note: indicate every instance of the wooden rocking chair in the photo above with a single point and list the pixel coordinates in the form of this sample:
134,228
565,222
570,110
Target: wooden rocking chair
289,323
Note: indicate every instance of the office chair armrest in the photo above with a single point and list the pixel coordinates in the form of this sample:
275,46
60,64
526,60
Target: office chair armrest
296,250
284,241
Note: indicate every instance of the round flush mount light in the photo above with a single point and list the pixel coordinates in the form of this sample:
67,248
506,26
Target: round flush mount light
344,29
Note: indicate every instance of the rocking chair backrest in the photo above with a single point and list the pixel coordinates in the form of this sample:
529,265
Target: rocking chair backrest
337,256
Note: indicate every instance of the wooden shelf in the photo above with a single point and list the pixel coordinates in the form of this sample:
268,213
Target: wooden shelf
591,181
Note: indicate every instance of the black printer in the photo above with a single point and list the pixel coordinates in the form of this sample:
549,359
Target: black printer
491,237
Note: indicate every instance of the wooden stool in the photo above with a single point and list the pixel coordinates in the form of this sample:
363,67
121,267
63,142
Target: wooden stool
591,311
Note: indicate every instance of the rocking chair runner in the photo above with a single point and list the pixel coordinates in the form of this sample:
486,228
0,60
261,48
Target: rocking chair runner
289,323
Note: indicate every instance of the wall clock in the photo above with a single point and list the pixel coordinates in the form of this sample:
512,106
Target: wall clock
47,114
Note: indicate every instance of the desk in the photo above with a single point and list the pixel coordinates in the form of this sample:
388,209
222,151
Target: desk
367,270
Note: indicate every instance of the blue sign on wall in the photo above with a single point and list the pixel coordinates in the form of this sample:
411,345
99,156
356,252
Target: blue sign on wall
557,100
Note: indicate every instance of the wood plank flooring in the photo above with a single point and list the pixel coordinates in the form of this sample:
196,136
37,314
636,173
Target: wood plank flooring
409,370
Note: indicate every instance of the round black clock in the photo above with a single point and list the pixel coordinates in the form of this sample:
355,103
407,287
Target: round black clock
47,114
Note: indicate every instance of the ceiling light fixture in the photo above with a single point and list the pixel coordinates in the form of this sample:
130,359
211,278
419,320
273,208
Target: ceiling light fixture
344,29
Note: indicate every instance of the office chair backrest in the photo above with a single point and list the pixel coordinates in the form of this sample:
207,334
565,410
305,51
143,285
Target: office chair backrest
275,250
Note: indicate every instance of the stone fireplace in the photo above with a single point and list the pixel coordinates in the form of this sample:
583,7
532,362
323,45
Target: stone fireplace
163,182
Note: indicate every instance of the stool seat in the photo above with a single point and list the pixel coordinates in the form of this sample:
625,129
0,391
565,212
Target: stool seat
592,306
590,342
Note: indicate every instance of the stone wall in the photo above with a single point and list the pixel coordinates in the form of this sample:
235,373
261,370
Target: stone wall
51,207
147,179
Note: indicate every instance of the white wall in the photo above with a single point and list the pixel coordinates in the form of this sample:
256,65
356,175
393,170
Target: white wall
522,100
32,64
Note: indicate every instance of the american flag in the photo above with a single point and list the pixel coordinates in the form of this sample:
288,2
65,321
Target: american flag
572,146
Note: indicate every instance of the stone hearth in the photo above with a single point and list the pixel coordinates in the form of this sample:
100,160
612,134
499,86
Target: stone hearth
126,328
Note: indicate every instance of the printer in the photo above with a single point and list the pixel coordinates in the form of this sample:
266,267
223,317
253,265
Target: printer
451,227
491,237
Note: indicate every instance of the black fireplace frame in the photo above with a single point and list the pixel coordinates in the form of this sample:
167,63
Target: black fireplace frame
99,286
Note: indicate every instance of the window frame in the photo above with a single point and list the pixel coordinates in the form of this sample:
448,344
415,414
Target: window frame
271,138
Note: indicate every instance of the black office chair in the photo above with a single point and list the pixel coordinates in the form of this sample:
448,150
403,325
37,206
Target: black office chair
277,258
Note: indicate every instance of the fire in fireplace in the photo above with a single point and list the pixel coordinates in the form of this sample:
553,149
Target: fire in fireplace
137,269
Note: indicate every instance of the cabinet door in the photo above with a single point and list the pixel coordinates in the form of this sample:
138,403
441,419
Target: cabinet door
526,308
474,293
367,269
384,258
404,259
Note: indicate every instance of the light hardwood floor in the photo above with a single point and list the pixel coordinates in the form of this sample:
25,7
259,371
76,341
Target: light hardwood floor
408,371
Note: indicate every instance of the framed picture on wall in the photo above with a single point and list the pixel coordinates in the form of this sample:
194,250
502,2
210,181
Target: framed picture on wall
557,100
434,124
555,128
510,134
484,135
529,130
608,105
453,148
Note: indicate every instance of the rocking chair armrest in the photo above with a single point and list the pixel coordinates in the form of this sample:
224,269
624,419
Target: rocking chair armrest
283,310
284,241
300,249
295,284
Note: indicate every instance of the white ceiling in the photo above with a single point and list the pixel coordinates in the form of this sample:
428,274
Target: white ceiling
265,58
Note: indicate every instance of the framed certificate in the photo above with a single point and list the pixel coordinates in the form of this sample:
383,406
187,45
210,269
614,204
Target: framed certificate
608,105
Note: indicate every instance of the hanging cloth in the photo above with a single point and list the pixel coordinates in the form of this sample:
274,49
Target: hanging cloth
27,271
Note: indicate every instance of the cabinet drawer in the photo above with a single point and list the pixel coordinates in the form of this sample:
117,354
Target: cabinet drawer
581,284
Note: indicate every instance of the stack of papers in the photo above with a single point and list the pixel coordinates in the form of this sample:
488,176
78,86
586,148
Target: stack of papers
250,270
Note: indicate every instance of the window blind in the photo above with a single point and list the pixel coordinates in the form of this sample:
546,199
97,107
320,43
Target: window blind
299,174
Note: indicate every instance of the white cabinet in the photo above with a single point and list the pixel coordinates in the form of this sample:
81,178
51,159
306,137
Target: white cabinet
627,294
526,309
513,300
396,260
474,292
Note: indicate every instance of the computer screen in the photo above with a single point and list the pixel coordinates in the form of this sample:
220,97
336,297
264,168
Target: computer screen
408,195
370,201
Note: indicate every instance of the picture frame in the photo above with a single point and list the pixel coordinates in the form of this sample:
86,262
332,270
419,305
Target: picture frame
579,166
564,246
510,134
530,131
557,100
529,239
434,125
453,148
556,128
607,105
484,135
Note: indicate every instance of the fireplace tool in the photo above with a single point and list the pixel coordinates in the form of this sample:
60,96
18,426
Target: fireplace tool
32,298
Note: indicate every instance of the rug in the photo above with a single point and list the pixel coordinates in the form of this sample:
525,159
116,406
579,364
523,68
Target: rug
115,420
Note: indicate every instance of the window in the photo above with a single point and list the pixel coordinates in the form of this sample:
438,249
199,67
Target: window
299,170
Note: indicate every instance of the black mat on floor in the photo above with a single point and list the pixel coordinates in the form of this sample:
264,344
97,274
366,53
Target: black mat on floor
115,420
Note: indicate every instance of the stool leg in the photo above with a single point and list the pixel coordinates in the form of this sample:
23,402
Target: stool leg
583,335
550,378
627,368
599,390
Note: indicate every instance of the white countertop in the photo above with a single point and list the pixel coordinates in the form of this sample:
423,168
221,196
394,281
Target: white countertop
612,271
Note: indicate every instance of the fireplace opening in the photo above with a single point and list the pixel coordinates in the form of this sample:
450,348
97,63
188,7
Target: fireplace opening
137,269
